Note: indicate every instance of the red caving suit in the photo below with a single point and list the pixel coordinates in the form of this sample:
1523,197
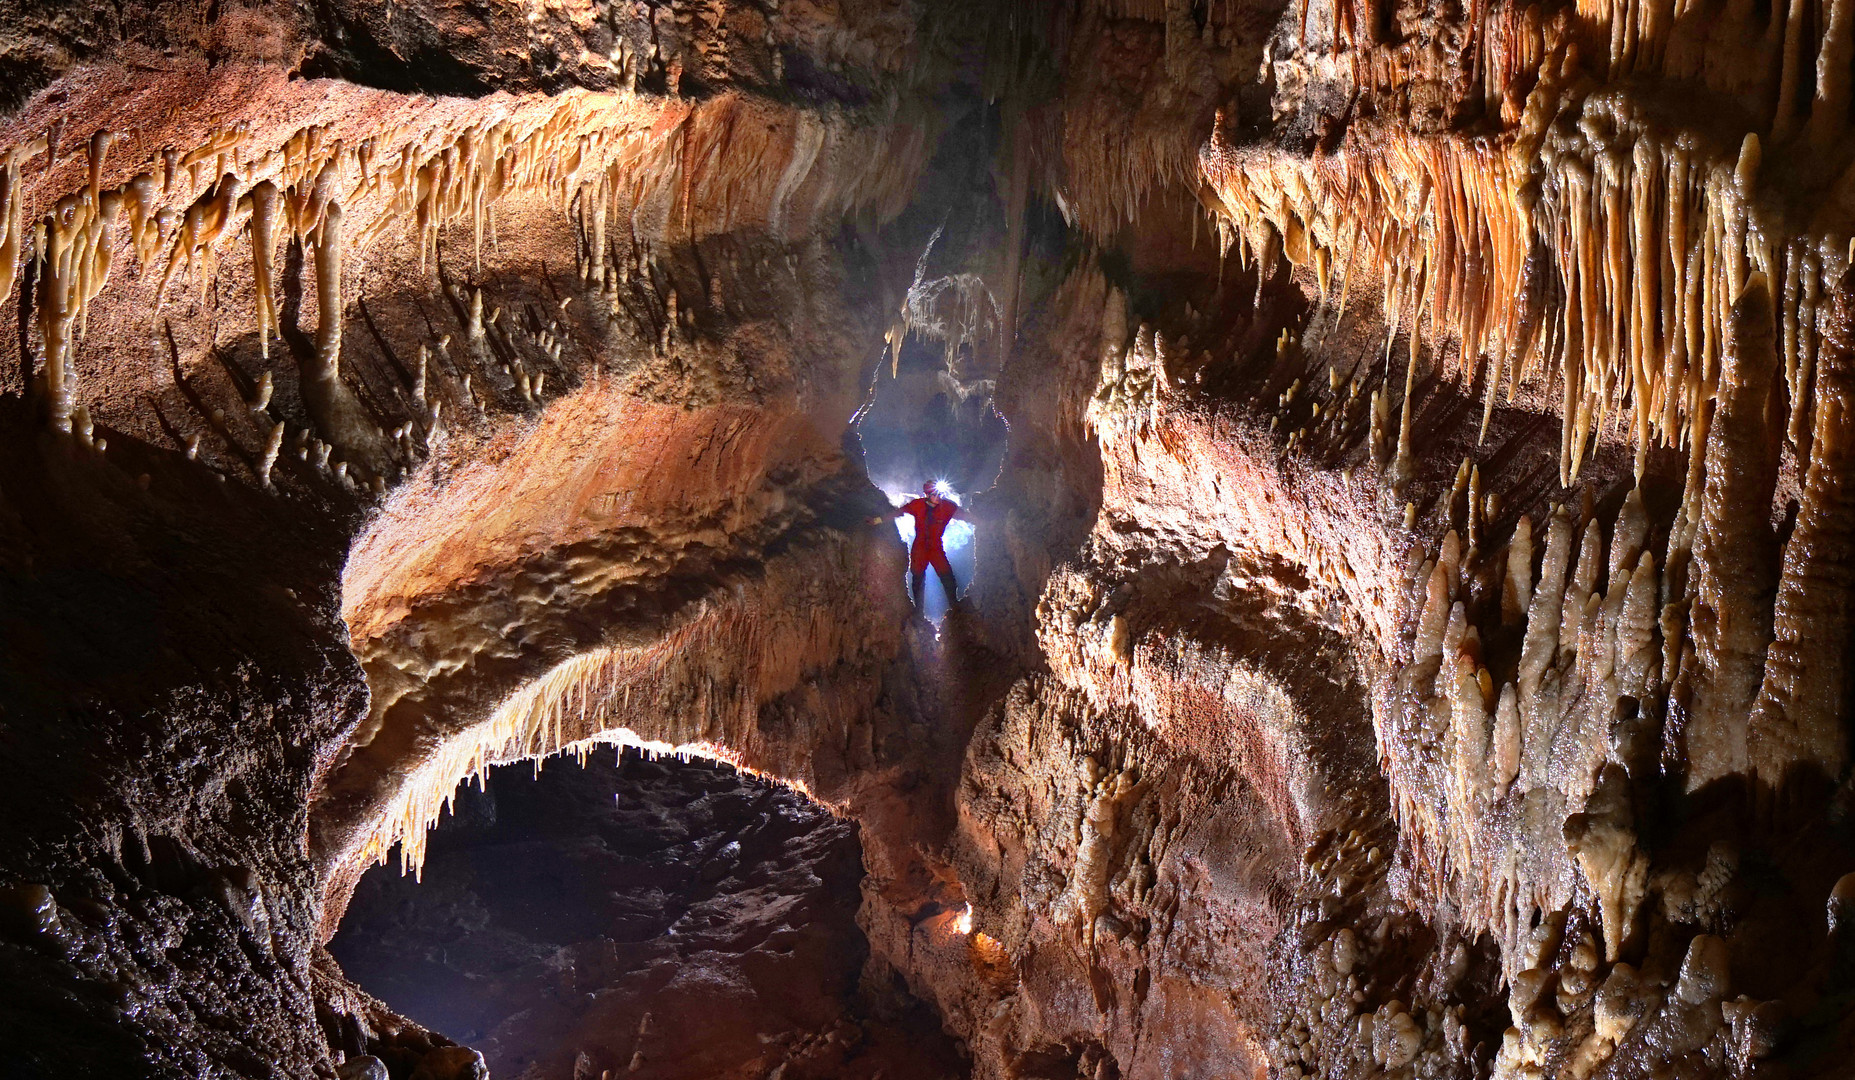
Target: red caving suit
930,523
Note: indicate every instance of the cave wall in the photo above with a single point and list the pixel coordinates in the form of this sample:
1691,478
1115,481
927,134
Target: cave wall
1408,633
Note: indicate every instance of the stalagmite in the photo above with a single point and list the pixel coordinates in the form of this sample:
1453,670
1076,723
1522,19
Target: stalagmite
1706,971
1470,735
1636,650
1432,624
1830,111
273,445
1376,429
1449,560
1538,700
1517,586
1086,896
1627,536
1734,562
1578,590
1402,469
1458,488
1455,632
1797,719
338,414
1603,841
1505,756
1473,509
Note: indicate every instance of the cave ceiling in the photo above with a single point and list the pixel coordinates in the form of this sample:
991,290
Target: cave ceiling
1406,446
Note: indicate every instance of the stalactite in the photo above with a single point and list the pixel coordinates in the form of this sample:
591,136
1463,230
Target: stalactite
98,148
1471,232
12,217
328,296
587,699
200,228
98,256
264,200
57,241
551,146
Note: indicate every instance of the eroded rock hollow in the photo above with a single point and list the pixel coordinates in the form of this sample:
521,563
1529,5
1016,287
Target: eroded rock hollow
1405,458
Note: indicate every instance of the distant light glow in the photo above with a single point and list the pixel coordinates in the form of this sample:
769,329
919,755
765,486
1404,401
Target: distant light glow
963,919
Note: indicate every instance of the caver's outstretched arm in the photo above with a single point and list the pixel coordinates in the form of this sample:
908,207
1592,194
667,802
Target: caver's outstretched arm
894,512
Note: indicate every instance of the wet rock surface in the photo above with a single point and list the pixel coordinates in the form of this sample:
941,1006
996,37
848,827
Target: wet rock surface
1409,450
642,917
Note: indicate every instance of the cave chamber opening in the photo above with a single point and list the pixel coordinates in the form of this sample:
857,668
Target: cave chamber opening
626,910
